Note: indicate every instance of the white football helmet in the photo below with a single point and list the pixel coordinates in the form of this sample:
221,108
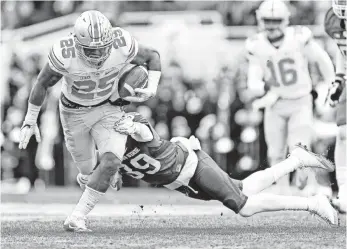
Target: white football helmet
93,37
273,16
340,8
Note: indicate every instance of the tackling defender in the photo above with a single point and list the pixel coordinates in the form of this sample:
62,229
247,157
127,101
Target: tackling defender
278,61
89,62
181,165
335,25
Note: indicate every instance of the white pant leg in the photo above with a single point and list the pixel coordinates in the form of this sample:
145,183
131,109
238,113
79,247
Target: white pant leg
275,128
104,135
340,156
77,136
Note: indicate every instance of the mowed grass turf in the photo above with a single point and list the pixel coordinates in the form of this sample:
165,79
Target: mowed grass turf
158,219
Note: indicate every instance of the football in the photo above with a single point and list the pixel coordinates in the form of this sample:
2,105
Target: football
137,77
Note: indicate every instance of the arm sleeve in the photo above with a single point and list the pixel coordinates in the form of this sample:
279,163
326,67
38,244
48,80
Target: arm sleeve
255,72
340,63
316,54
255,75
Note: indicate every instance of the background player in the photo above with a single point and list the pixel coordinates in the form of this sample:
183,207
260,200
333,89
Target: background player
181,165
335,25
279,56
89,61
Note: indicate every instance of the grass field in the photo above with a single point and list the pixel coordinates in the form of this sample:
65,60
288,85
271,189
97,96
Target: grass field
156,218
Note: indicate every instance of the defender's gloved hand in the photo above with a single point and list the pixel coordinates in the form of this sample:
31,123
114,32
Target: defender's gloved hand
141,95
126,125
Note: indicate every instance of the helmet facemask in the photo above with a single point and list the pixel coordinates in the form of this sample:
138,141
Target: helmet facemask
94,56
340,8
273,18
274,27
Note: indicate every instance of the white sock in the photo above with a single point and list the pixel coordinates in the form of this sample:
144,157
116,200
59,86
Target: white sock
87,202
263,179
296,203
285,167
269,203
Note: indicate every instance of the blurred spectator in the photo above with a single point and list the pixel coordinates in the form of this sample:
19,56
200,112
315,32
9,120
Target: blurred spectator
17,14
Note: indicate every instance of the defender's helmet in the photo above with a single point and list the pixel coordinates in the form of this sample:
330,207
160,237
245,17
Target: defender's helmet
273,15
93,37
340,8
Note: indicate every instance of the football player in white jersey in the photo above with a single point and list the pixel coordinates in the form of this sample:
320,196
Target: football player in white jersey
335,25
89,62
278,61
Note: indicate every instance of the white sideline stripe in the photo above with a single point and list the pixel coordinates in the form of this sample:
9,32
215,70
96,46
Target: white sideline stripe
9,210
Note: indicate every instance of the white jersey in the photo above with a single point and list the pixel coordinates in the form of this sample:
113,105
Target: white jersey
284,69
86,85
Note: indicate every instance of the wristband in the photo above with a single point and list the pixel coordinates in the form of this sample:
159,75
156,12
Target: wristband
32,114
153,80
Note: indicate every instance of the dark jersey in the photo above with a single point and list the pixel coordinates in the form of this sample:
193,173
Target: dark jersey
336,29
156,162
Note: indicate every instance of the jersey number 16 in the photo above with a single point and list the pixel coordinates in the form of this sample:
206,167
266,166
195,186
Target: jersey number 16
288,75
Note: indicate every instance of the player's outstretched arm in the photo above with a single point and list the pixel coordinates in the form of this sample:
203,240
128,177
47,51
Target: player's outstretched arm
316,54
151,58
339,83
47,78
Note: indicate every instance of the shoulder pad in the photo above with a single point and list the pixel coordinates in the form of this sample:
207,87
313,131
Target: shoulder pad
125,43
303,34
61,53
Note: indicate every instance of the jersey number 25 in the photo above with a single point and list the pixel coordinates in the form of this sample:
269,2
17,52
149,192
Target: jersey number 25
87,88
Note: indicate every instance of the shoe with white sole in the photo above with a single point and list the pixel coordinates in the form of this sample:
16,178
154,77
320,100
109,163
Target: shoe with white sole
76,224
320,206
309,159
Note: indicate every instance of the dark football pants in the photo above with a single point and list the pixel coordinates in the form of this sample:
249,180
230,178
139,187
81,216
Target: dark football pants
212,183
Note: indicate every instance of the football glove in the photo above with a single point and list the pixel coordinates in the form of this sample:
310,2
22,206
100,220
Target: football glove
149,92
126,125
29,126
142,95
335,90
25,134
334,93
